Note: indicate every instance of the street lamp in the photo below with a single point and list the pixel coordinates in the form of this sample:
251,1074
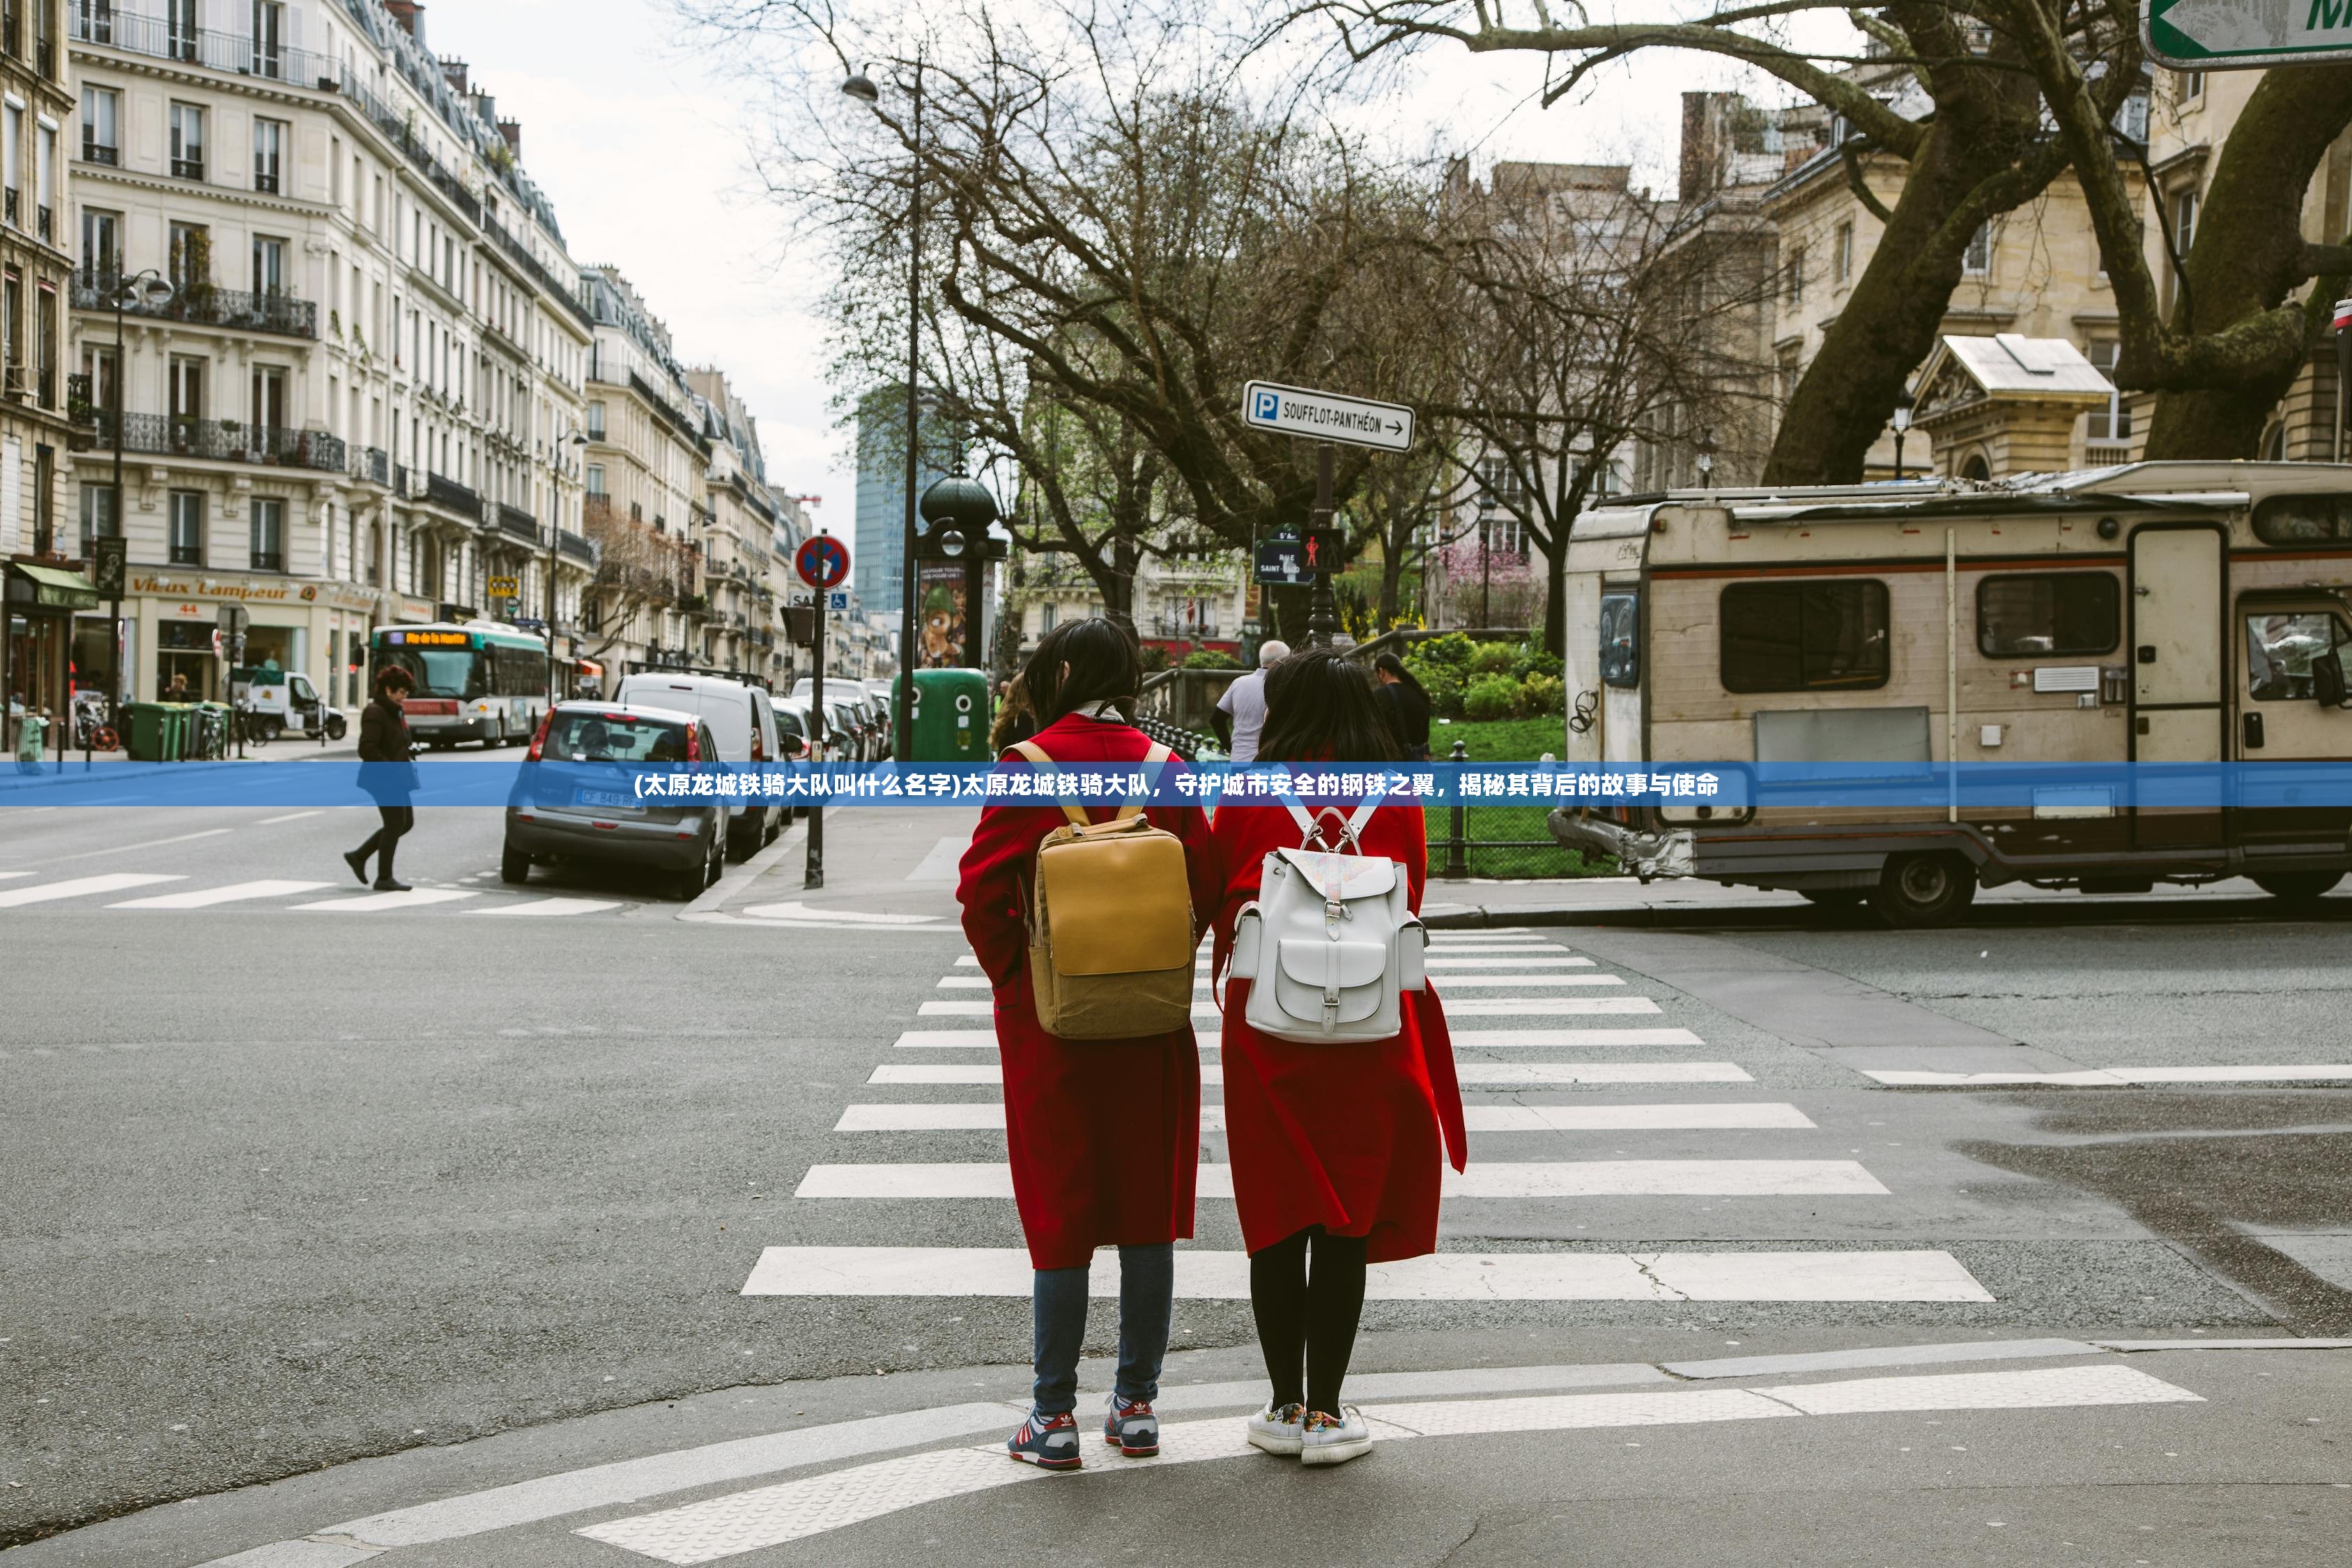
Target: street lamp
555,533
861,87
1486,551
150,291
1706,459
1902,423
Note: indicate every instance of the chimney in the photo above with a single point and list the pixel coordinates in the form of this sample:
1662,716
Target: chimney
409,15
454,71
486,108
512,131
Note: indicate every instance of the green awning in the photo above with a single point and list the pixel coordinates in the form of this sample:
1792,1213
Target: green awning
52,588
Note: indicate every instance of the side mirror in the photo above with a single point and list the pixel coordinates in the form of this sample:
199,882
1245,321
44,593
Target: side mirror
795,747
2327,678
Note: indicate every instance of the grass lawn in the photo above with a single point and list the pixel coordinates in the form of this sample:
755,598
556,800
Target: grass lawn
1505,741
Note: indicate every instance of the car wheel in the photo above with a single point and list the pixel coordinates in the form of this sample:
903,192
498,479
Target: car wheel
2298,887
743,841
514,866
775,827
1919,891
335,728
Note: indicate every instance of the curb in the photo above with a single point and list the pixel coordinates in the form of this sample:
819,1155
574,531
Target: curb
734,877
1782,917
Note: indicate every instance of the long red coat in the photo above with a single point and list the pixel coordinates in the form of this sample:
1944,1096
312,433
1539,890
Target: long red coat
1104,1135
1349,1137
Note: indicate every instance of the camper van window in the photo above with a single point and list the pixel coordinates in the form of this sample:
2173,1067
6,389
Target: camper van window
2048,613
2280,647
2302,520
1805,637
1621,639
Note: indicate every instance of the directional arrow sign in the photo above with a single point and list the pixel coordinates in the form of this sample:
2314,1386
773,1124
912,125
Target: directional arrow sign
1328,417
2227,34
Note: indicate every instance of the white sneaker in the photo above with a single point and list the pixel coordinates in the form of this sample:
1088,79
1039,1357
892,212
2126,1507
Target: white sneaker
1275,1428
1334,1439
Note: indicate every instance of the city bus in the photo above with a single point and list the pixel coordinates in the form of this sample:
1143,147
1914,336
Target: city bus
481,681
2180,613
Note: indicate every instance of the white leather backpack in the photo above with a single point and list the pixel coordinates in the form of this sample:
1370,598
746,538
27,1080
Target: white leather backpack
1329,942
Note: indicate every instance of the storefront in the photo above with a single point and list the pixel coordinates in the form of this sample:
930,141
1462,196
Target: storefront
317,629
36,655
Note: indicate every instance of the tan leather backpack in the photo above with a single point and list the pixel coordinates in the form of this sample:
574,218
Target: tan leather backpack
1111,936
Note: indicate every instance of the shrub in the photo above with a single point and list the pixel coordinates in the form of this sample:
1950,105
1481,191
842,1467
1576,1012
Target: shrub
1490,697
1152,658
1542,696
1493,658
1443,685
1451,651
1211,658
1534,659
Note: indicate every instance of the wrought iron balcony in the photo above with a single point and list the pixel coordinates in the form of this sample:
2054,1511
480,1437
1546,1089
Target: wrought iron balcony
8,207
45,226
576,547
219,440
521,524
164,39
202,304
449,493
188,168
370,464
93,151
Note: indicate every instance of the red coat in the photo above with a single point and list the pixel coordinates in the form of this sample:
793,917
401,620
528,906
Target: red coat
1104,1135
1344,1136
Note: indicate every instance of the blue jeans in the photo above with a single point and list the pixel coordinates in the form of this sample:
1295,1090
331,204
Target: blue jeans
1147,1300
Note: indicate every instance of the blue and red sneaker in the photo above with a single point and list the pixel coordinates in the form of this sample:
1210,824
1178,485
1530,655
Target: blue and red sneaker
1132,1426
1049,1442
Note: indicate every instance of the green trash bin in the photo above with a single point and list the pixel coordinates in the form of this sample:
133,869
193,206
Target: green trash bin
951,716
179,731
149,726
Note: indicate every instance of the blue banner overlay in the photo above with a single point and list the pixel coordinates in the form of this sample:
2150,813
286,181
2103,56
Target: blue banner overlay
1684,790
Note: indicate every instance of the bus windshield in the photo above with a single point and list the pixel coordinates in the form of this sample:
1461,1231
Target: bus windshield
437,671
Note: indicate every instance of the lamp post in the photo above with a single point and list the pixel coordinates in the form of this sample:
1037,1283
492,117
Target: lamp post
861,88
554,538
153,291
1486,551
1902,423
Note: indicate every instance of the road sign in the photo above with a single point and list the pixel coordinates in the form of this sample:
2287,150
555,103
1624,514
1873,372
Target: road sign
1290,562
837,599
804,598
1329,415
505,589
232,617
821,561
108,558
2240,35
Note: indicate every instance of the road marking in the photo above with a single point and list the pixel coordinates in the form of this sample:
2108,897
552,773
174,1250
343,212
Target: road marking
12,876
80,887
1445,960
1452,981
208,897
1439,945
942,1039
1547,1179
290,816
943,863
800,912
988,1116
530,907
375,903
149,843
1498,1074
1540,1006
1513,1038
965,983
962,1010
2109,1077
1878,1356
1204,1275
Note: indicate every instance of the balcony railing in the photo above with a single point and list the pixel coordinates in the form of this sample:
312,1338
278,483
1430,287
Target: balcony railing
9,204
449,493
371,465
521,524
396,127
93,151
188,168
201,304
45,224
162,39
576,547
219,440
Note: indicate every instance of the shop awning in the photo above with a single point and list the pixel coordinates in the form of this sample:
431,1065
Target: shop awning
49,587
590,667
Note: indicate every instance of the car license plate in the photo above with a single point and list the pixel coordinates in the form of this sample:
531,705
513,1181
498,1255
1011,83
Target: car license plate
603,797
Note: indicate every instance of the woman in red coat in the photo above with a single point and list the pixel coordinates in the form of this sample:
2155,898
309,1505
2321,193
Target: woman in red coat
1339,1146
1104,1135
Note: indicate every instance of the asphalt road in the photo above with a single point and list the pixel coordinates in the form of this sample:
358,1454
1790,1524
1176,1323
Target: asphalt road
290,1186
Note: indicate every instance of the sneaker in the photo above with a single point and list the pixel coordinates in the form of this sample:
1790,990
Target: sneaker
1275,1428
1132,1426
1334,1439
1049,1442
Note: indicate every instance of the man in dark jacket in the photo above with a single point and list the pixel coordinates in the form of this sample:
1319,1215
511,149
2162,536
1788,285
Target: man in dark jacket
387,774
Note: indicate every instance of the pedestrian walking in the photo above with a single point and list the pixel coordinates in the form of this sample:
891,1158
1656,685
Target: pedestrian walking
1103,1134
388,773
1016,719
1406,702
1241,711
1335,1146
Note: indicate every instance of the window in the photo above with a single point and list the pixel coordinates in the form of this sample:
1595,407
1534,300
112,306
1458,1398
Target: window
45,346
187,388
269,38
44,181
12,150
180,29
95,20
192,255
101,244
2114,422
188,526
596,479
1976,260
1797,276
2048,613
2280,647
2131,119
2184,222
268,542
1621,639
268,153
2189,87
1805,636
98,518
1844,252
187,142
269,265
2302,520
269,398
595,422
101,110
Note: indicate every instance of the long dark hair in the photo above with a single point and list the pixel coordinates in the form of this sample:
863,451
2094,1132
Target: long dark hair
1103,667
1392,665
1320,708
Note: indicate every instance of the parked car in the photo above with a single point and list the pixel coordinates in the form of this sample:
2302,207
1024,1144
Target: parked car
577,800
879,691
844,715
738,715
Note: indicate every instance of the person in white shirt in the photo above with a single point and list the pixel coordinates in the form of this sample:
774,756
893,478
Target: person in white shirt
1241,711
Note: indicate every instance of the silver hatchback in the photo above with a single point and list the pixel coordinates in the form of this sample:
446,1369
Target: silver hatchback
576,797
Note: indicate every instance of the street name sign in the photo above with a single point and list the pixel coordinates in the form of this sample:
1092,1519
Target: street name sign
2240,35
821,561
1329,415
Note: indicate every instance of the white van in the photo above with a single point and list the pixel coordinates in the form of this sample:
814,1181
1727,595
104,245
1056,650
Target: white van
742,722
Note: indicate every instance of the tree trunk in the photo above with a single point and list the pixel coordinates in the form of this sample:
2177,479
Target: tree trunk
2246,255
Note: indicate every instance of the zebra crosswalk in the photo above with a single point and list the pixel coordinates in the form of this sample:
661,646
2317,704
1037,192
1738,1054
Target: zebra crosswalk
907,1151
298,896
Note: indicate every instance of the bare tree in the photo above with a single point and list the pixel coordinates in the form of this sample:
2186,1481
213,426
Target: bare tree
639,572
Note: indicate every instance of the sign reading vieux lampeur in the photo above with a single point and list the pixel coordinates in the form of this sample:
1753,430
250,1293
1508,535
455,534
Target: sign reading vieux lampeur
2230,35
1327,416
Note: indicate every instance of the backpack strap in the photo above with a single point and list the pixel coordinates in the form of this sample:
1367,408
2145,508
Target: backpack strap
1151,759
1071,808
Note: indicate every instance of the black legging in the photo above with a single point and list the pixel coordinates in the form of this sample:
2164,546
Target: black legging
1310,1320
397,820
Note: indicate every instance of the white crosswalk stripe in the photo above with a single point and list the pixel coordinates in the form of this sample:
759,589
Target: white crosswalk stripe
78,887
551,907
206,897
1485,1075
373,903
1484,1179
287,894
988,1116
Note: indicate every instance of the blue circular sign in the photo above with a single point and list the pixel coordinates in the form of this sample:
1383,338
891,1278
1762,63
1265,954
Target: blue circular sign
822,562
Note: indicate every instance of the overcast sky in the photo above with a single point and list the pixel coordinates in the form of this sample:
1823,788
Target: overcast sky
643,145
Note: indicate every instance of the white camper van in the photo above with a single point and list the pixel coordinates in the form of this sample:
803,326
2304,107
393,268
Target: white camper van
2152,611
